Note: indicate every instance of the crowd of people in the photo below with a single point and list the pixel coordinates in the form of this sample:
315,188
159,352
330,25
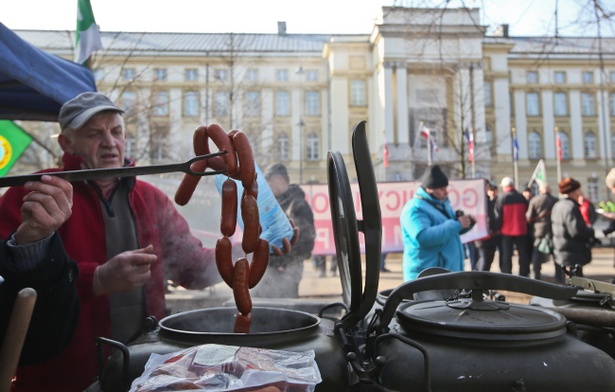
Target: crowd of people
537,228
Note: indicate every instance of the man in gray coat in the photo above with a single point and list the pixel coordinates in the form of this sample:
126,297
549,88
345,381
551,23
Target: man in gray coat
572,238
539,220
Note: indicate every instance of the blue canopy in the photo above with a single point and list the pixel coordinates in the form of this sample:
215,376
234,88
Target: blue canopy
34,84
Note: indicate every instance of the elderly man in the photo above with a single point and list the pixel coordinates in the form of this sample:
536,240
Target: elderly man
572,238
126,236
431,229
538,216
510,209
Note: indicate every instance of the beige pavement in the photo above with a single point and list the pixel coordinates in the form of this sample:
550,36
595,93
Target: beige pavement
328,289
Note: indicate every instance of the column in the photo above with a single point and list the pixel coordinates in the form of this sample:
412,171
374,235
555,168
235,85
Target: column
403,131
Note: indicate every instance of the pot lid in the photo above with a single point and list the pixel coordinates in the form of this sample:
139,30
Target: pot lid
485,320
346,227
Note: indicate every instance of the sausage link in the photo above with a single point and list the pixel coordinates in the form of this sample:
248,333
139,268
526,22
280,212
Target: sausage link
260,259
251,224
246,159
253,190
224,143
240,286
228,216
224,260
242,323
189,183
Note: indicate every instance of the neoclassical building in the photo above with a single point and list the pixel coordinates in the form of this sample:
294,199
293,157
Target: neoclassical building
418,72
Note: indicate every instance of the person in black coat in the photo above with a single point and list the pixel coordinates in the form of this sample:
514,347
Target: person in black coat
33,256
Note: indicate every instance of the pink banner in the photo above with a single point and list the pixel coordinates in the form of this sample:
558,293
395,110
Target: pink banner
466,195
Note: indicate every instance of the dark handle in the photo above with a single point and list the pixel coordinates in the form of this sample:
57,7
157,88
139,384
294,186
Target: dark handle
472,281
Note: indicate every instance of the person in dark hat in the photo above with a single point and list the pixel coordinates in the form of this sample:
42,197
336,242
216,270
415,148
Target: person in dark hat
431,229
284,273
572,238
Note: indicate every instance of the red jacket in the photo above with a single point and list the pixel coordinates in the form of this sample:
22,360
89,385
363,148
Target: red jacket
510,209
158,223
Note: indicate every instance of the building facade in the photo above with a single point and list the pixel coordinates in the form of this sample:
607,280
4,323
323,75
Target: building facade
419,72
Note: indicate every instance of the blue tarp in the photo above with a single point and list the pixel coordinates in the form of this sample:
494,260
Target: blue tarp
34,84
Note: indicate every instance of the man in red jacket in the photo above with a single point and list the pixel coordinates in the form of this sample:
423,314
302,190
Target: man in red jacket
510,209
126,236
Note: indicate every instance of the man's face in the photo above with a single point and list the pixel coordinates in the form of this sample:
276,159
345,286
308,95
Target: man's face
440,193
277,184
100,142
613,189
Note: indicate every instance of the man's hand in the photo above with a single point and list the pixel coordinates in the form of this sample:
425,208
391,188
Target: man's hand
465,220
286,243
45,208
124,272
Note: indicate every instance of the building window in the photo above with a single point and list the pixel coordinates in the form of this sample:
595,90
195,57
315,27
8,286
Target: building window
560,104
312,103
159,145
281,75
129,101
252,75
358,93
533,106
559,77
587,77
593,189
282,103
129,74
531,77
313,147
535,145
160,74
590,148
221,104
587,104
612,77
565,145
191,75
130,146
283,148
221,74
487,92
612,104
253,103
311,75
191,104
161,103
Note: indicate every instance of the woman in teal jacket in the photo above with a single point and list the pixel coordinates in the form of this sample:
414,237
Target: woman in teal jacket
430,228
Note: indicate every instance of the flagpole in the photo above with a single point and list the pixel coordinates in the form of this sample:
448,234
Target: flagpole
473,155
515,163
558,153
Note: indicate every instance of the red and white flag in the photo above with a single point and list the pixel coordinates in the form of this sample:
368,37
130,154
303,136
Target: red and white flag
385,154
558,143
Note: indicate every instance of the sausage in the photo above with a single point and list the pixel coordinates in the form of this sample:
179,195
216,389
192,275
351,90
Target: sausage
188,184
242,323
251,224
240,286
253,190
228,216
260,259
224,143
246,159
224,260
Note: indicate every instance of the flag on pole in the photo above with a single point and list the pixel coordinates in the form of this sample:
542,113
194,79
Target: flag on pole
87,35
558,143
13,142
470,142
515,149
540,174
426,134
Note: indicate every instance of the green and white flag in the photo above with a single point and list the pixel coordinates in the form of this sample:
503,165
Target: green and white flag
87,35
13,142
540,174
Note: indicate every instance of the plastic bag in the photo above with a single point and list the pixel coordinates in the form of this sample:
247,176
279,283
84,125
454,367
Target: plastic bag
215,367
545,246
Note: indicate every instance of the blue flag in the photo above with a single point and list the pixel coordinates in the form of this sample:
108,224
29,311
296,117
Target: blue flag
515,149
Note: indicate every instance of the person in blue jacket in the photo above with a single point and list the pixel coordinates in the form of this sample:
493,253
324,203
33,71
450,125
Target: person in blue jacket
431,229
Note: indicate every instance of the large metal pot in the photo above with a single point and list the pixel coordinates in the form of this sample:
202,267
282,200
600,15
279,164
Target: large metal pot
282,329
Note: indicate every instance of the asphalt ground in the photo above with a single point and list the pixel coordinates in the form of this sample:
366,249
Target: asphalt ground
318,290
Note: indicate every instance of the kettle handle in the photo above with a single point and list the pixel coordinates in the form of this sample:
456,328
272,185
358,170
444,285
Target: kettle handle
474,280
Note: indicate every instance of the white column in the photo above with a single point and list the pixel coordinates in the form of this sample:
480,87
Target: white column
266,139
403,132
548,121
501,103
604,130
575,140
388,103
